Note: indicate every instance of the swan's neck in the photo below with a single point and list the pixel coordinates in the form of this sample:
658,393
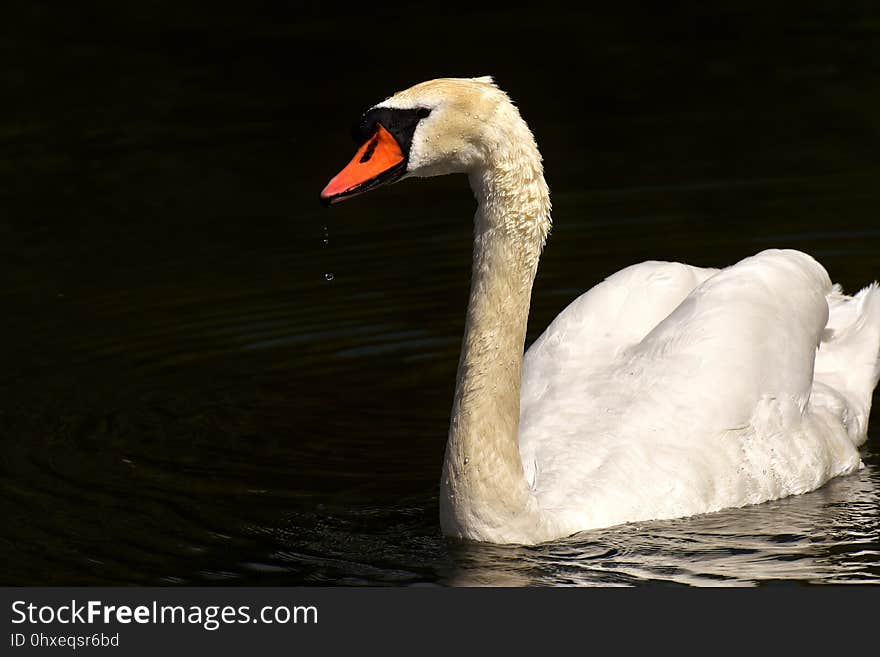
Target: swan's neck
484,494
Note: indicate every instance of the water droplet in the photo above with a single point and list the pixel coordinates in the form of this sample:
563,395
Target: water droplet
466,460
325,240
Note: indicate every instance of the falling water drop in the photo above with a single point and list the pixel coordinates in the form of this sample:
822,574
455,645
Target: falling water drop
325,241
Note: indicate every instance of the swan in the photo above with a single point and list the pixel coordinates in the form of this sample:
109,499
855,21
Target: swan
665,391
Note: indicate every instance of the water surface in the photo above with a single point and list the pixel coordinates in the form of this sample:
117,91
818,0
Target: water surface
185,398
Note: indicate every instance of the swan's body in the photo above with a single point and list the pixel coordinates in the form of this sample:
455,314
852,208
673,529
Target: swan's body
665,391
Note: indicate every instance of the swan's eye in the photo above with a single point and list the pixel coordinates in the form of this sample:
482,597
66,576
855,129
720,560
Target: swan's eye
423,112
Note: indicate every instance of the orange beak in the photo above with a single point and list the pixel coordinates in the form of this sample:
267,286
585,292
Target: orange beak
379,161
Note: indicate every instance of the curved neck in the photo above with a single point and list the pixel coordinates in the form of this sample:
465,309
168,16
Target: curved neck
484,494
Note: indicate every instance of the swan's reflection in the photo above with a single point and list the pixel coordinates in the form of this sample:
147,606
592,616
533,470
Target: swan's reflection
829,535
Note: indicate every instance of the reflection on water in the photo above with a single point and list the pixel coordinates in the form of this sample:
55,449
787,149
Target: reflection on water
186,398
826,536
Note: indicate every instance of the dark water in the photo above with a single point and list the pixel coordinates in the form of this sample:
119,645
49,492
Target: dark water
186,398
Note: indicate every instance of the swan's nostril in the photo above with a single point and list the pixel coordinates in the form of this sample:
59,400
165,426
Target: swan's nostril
370,150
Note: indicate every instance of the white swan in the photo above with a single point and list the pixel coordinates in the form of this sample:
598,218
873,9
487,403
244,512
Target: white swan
665,391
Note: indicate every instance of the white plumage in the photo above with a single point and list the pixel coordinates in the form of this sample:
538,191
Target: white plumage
666,390
669,390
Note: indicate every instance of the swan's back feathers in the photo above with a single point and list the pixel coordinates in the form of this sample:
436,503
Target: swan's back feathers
715,405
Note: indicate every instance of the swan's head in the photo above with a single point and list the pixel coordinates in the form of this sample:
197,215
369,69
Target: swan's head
434,128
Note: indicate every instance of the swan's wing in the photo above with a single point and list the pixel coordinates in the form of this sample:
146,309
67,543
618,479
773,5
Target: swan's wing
747,333
716,340
615,314
751,333
587,336
714,406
